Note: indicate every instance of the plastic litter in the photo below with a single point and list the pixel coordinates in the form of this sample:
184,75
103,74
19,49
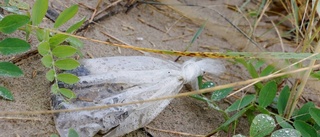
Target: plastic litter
124,79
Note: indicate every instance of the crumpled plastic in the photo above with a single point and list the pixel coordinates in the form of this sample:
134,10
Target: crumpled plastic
123,79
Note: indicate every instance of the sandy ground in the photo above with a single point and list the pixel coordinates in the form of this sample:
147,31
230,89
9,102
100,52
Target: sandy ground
160,27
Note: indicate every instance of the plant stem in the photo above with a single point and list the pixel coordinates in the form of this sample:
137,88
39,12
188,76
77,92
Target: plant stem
294,96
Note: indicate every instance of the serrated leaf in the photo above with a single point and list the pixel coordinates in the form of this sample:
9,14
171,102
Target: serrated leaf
8,69
72,133
66,15
283,99
64,51
67,64
241,103
39,10
47,61
55,88
57,39
286,132
11,23
305,129
5,93
68,78
67,93
267,94
75,42
262,125
13,46
220,94
43,48
76,26
283,123
315,114
50,75
303,113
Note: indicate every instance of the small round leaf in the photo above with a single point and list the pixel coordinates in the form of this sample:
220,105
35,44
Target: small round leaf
262,125
68,78
286,132
5,93
44,48
50,75
10,70
67,93
47,61
64,51
67,64
13,46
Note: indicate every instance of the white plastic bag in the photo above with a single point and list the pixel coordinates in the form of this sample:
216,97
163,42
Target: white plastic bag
124,79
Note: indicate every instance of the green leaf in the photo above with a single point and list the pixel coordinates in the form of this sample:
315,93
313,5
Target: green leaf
262,125
42,34
259,64
55,88
283,123
47,61
10,70
199,97
39,10
241,103
315,114
11,23
220,94
19,4
13,45
66,15
54,135
67,64
68,78
266,71
316,75
76,26
254,74
64,51
57,39
233,118
286,132
67,93
305,129
196,35
208,84
12,9
283,99
72,133
267,94
5,93
44,48
75,42
50,75
303,113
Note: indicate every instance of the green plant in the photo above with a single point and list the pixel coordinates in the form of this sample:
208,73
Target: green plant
57,49
56,54
9,46
71,133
